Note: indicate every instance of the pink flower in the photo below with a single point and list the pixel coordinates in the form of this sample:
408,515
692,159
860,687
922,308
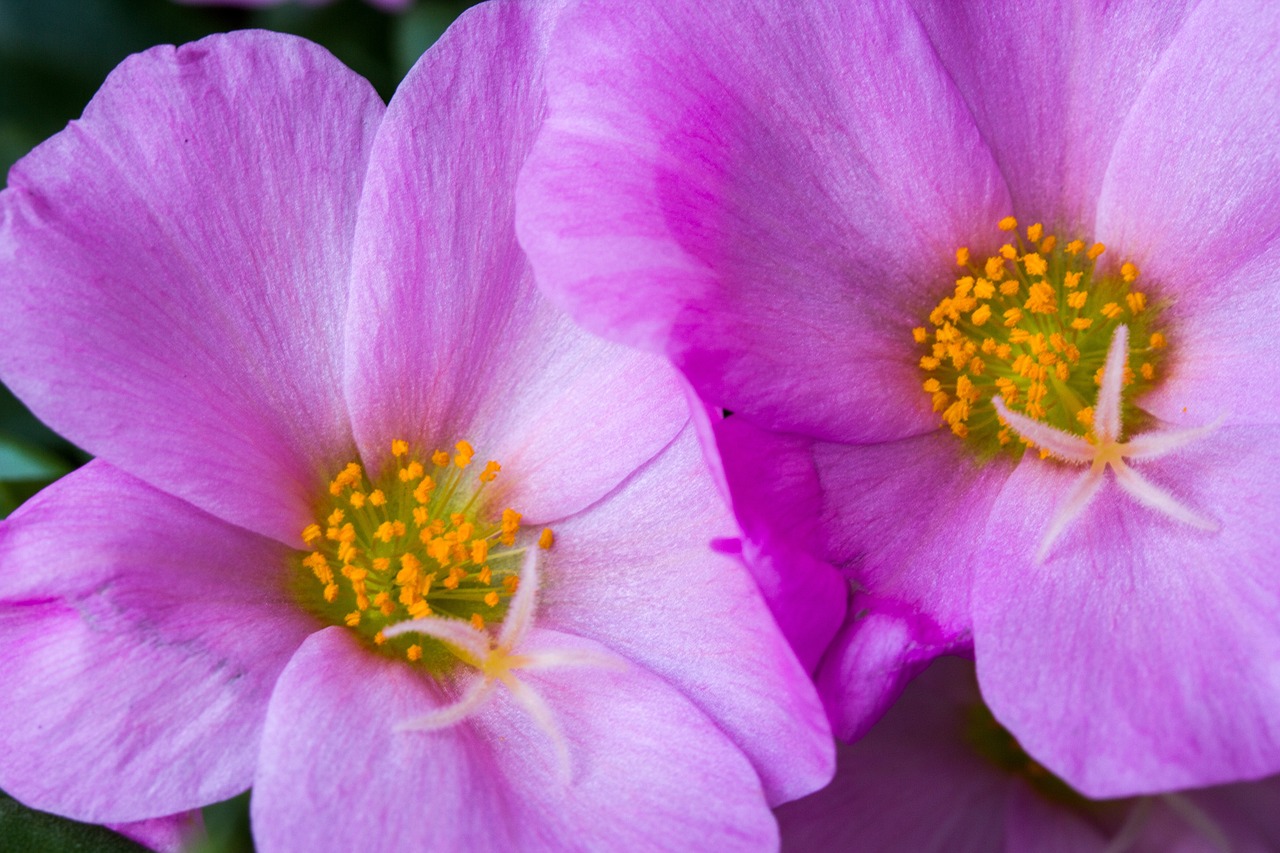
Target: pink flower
285,318
807,209
938,774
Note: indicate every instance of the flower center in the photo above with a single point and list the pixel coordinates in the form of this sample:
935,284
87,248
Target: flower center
1032,324
416,542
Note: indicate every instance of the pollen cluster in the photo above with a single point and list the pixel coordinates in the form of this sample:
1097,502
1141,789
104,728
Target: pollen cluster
1032,323
418,541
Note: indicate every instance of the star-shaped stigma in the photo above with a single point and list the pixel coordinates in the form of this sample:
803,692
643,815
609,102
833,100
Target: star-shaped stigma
497,659
1108,451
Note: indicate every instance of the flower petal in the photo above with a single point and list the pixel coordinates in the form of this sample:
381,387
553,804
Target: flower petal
142,640
170,834
1190,192
773,486
176,271
637,574
648,769
904,520
447,337
871,660
1190,197
1050,88
719,183
1144,655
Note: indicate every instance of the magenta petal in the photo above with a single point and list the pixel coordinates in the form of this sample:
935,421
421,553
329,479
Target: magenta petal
773,485
142,638
448,339
1144,655
718,183
905,518
871,660
1050,89
176,271
649,771
637,573
163,834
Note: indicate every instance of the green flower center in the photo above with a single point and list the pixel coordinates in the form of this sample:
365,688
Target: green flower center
416,542
1032,324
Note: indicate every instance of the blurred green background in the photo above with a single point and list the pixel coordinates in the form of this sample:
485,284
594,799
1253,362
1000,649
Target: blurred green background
54,54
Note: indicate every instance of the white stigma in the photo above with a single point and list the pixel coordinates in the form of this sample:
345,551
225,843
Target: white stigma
495,661
1108,451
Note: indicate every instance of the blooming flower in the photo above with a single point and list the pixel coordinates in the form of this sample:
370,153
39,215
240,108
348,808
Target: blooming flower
288,321
855,226
938,773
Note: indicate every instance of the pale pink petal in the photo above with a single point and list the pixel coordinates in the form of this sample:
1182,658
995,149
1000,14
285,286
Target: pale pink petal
1219,365
649,770
176,267
1144,655
447,337
142,640
638,574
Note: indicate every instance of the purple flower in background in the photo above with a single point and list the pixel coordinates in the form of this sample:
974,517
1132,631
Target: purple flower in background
285,318
938,773
854,226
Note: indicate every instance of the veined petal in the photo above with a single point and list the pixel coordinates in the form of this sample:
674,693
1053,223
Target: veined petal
447,337
176,266
1065,446
1145,654
1090,61
689,613
143,638
649,769
708,169
541,713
